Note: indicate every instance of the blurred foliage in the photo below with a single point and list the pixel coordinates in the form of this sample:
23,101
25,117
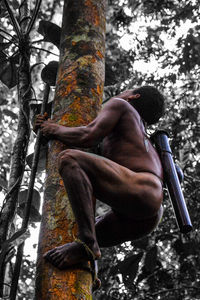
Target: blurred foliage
163,50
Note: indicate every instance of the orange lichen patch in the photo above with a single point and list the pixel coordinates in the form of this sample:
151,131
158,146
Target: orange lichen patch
69,81
71,119
66,89
67,76
99,54
93,13
74,118
64,119
66,67
61,182
93,92
62,285
77,100
99,90
71,289
93,60
79,105
71,280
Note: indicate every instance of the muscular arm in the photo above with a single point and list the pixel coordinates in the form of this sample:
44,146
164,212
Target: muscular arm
90,135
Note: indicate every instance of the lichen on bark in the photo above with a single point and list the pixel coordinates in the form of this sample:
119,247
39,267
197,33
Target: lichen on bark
78,97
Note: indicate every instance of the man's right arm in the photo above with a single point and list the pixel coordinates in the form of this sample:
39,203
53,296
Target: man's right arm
90,135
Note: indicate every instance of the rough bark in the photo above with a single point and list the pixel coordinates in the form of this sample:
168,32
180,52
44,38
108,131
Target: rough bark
78,98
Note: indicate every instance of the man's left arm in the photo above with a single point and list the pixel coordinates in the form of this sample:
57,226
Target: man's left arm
84,136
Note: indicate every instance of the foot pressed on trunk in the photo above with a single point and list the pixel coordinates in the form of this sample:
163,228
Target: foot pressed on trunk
71,254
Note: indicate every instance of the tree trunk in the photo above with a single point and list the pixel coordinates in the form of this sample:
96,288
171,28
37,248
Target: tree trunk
78,98
19,150
23,131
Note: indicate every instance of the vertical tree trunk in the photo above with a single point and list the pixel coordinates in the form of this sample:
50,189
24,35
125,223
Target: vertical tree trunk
78,98
23,132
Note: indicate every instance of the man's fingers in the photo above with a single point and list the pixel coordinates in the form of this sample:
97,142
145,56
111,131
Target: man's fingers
41,117
39,120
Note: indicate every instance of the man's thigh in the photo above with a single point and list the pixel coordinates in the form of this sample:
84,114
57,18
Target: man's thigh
108,178
113,228
115,185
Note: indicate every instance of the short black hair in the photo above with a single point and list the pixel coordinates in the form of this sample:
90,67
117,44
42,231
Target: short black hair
150,105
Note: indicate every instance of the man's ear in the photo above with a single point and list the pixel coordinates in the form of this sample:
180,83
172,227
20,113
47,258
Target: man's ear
134,96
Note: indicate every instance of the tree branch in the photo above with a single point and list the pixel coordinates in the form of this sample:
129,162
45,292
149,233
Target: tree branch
35,13
13,20
33,47
174,289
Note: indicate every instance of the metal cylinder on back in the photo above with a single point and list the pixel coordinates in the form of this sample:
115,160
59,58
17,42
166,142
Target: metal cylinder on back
171,178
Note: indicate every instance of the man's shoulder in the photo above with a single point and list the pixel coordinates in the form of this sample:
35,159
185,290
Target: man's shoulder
124,106
119,103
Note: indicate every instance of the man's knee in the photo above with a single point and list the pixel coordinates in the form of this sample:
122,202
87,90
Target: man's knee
67,159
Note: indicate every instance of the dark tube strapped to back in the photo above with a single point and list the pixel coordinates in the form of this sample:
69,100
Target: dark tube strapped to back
160,139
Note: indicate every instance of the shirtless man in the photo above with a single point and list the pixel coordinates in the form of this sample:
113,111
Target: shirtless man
128,176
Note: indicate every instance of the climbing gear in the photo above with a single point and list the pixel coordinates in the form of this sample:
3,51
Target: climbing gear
88,250
93,266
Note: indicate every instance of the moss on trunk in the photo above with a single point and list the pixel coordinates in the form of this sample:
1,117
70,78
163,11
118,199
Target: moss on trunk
78,97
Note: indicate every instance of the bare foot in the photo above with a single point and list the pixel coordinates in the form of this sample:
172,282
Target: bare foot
70,254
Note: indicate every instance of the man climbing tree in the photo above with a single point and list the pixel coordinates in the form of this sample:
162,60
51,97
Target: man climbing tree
128,176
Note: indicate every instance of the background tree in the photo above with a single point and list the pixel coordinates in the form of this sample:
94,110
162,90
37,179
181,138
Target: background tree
162,50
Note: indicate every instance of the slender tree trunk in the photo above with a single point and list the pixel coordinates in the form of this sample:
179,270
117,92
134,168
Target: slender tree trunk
23,132
78,98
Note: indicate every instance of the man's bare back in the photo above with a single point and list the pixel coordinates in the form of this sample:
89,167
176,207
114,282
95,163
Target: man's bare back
128,144
128,177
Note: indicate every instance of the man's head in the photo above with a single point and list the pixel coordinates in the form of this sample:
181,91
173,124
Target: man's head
148,101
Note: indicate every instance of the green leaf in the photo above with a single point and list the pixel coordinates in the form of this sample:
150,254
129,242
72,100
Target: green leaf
42,159
35,205
4,46
10,113
49,73
8,71
50,31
